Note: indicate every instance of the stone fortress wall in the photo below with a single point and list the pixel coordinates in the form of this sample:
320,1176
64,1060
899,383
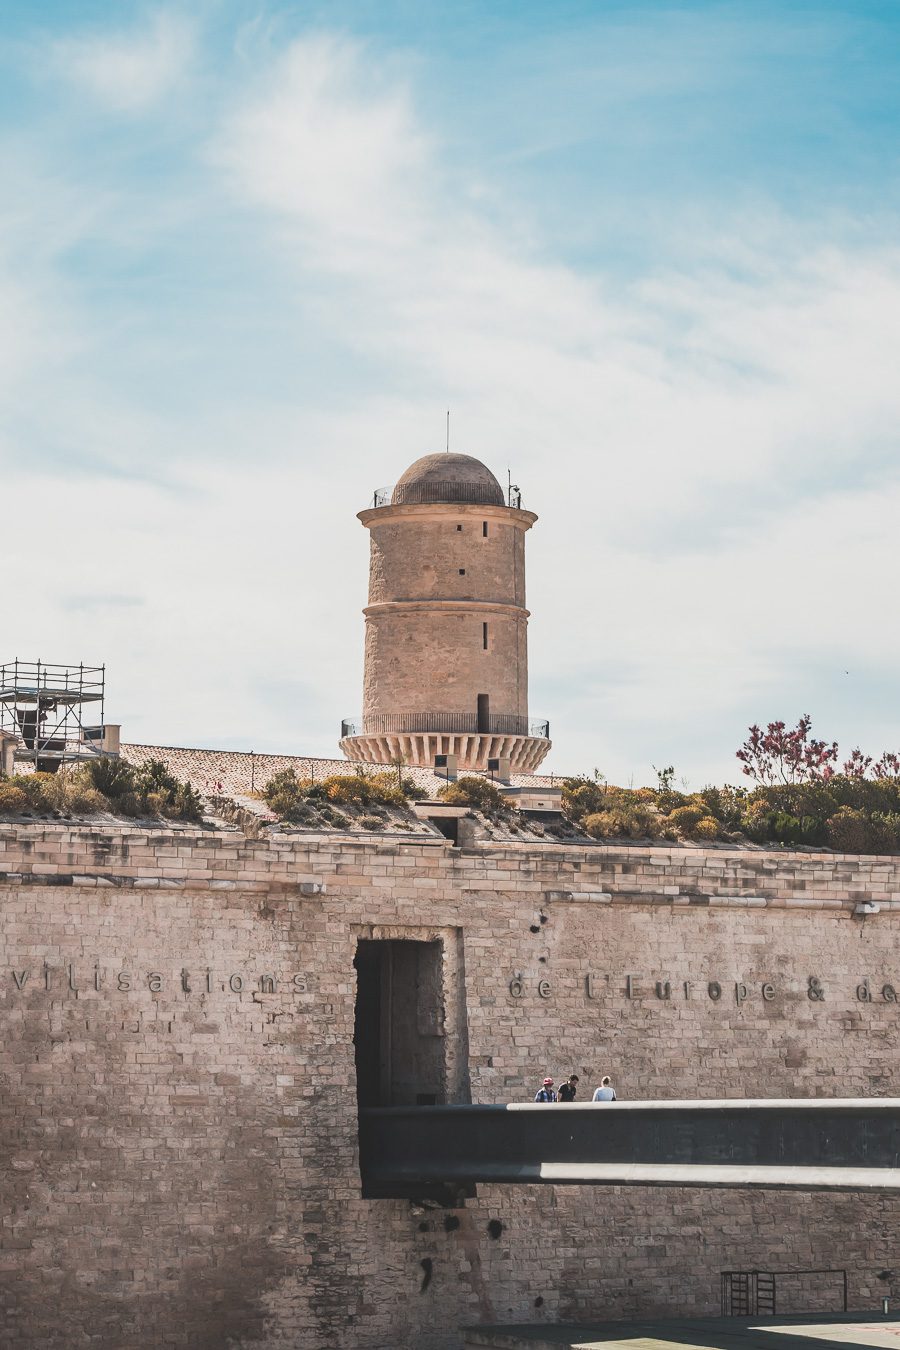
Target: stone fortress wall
178,1114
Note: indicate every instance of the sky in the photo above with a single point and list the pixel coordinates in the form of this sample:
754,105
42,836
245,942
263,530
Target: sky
647,253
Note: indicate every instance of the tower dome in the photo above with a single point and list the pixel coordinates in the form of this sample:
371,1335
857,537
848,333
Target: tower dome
447,478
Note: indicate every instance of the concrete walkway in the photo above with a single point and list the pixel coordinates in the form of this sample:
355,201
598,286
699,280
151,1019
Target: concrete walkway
810,1332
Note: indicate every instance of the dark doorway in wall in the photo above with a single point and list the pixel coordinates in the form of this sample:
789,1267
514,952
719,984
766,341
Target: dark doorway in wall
399,1026
484,713
448,826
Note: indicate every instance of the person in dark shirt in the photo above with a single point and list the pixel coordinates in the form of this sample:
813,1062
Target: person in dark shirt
545,1093
568,1089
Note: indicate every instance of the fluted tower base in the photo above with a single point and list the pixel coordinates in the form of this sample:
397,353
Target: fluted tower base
473,749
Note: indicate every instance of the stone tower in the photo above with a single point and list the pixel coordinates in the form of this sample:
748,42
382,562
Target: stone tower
446,661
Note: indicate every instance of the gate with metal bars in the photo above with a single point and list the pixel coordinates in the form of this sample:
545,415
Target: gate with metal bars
764,1293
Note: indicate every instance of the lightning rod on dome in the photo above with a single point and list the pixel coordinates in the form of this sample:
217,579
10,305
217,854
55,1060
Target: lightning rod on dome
447,451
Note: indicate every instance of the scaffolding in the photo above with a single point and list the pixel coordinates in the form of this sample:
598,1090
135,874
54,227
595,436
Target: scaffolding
51,712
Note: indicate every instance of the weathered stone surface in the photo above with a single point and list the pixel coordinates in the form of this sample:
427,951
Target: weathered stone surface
180,1141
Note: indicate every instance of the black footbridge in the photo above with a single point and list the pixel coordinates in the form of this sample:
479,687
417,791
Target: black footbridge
849,1144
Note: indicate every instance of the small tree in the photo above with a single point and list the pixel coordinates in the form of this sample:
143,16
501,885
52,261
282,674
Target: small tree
858,765
887,767
778,755
397,763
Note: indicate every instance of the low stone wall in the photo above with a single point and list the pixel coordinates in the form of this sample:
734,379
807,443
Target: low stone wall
178,1116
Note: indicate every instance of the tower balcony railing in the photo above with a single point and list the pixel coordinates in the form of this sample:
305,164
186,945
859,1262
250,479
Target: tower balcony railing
444,723
415,494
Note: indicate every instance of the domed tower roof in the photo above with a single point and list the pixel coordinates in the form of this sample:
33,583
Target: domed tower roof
447,478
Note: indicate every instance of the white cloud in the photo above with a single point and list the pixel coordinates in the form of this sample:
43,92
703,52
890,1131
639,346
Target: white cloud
335,147
129,72
696,445
709,448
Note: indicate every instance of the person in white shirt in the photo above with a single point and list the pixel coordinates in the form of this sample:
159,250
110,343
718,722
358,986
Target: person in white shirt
605,1092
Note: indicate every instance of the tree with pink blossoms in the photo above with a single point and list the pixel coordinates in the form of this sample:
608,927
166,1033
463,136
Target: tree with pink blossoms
887,767
858,765
780,755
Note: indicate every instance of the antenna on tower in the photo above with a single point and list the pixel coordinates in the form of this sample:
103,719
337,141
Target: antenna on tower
448,432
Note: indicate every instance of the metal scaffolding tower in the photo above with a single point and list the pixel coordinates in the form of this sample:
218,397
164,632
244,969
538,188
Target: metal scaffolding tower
46,708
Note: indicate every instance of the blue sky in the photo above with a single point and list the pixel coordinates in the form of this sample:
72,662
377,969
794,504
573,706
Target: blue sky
646,252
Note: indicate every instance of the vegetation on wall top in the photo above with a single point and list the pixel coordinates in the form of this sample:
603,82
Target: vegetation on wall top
478,793
803,796
367,800
148,790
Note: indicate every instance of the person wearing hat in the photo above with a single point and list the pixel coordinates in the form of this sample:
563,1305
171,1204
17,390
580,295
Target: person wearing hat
546,1093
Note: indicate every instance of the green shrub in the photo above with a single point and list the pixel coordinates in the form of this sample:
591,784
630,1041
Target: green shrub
855,815
132,805
724,804
287,796
362,789
668,800
848,830
852,831
185,804
583,797
37,788
154,776
371,822
635,822
884,832
756,821
112,777
478,793
785,828
12,799
393,788
300,801
148,791
350,789
65,791
685,818
151,789
85,801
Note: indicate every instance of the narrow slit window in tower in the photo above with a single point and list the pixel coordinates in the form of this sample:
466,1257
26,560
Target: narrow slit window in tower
484,529
484,714
484,636
459,527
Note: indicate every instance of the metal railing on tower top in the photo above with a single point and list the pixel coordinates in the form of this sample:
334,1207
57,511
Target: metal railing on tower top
444,723
415,494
